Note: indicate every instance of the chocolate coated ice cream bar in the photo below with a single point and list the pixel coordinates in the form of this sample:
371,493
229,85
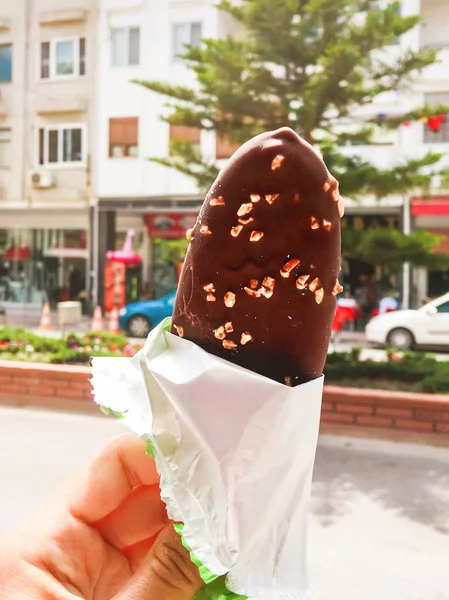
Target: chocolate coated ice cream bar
259,280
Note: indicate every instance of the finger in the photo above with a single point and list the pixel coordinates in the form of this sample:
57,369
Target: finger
140,516
105,482
166,573
137,553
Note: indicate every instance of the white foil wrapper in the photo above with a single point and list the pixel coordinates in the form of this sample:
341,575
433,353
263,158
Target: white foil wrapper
235,452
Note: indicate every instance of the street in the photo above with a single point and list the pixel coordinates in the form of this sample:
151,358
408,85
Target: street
380,510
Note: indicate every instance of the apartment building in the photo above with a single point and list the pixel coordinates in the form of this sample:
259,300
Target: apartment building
142,39
76,135
47,147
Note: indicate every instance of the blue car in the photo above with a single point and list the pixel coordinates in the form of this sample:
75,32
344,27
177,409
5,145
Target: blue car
139,318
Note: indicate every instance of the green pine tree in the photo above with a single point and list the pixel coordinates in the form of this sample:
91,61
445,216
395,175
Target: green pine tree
304,64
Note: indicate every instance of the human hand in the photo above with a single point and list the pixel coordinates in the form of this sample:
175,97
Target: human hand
104,535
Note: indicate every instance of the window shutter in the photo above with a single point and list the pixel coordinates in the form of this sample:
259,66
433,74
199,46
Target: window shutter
41,146
185,134
45,60
123,132
82,57
224,148
134,46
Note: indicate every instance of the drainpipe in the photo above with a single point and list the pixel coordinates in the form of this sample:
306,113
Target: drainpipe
406,228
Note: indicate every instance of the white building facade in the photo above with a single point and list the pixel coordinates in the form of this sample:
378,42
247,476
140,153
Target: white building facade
47,148
135,193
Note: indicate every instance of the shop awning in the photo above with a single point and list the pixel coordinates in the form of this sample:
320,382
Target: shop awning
169,226
433,206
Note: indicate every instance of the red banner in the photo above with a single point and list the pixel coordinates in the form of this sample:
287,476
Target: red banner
169,226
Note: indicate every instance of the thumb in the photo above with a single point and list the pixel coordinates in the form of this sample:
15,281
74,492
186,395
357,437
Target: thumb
166,573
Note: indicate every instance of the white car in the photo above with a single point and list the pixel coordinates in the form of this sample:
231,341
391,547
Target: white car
404,329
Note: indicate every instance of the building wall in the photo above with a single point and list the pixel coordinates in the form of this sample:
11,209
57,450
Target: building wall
119,97
29,102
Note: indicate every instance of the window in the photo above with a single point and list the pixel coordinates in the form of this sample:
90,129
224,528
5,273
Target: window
124,137
443,308
125,47
6,63
442,135
224,148
182,34
63,58
61,144
181,133
5,148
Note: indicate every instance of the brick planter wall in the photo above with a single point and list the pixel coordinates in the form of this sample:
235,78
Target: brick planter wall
68,387
402,411
35,384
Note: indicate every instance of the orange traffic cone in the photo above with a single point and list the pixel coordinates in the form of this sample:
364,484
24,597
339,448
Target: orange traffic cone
97,323
113,321
45,324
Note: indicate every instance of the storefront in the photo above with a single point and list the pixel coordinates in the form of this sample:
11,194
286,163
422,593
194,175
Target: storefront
432,215
43,257
362,280
159,227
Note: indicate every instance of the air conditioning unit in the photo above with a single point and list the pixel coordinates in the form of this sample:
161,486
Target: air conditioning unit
41,179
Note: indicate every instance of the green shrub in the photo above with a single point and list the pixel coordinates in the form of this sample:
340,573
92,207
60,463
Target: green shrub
20,344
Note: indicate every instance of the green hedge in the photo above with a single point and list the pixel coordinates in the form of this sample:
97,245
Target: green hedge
20,344
418,371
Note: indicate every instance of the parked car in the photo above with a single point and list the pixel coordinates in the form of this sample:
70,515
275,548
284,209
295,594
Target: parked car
139,318
405,329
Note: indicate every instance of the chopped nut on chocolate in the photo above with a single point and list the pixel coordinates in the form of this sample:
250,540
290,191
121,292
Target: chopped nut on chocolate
204,229
335,194
327,225
255,236
229,299
277,162
337,288
229,344
179,330
255,198
209,287
289,266
301,282
246,221
269,283
189,233
270,198
314,223
314,285
219,333
254,293
236,230
245,209
266,292
319,295
326,186
253,284
341,206
217,201
288,380
210,298
245,338
228,327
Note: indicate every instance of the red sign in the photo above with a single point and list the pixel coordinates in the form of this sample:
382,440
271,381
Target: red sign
114,285
17,253
170,226
433,206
